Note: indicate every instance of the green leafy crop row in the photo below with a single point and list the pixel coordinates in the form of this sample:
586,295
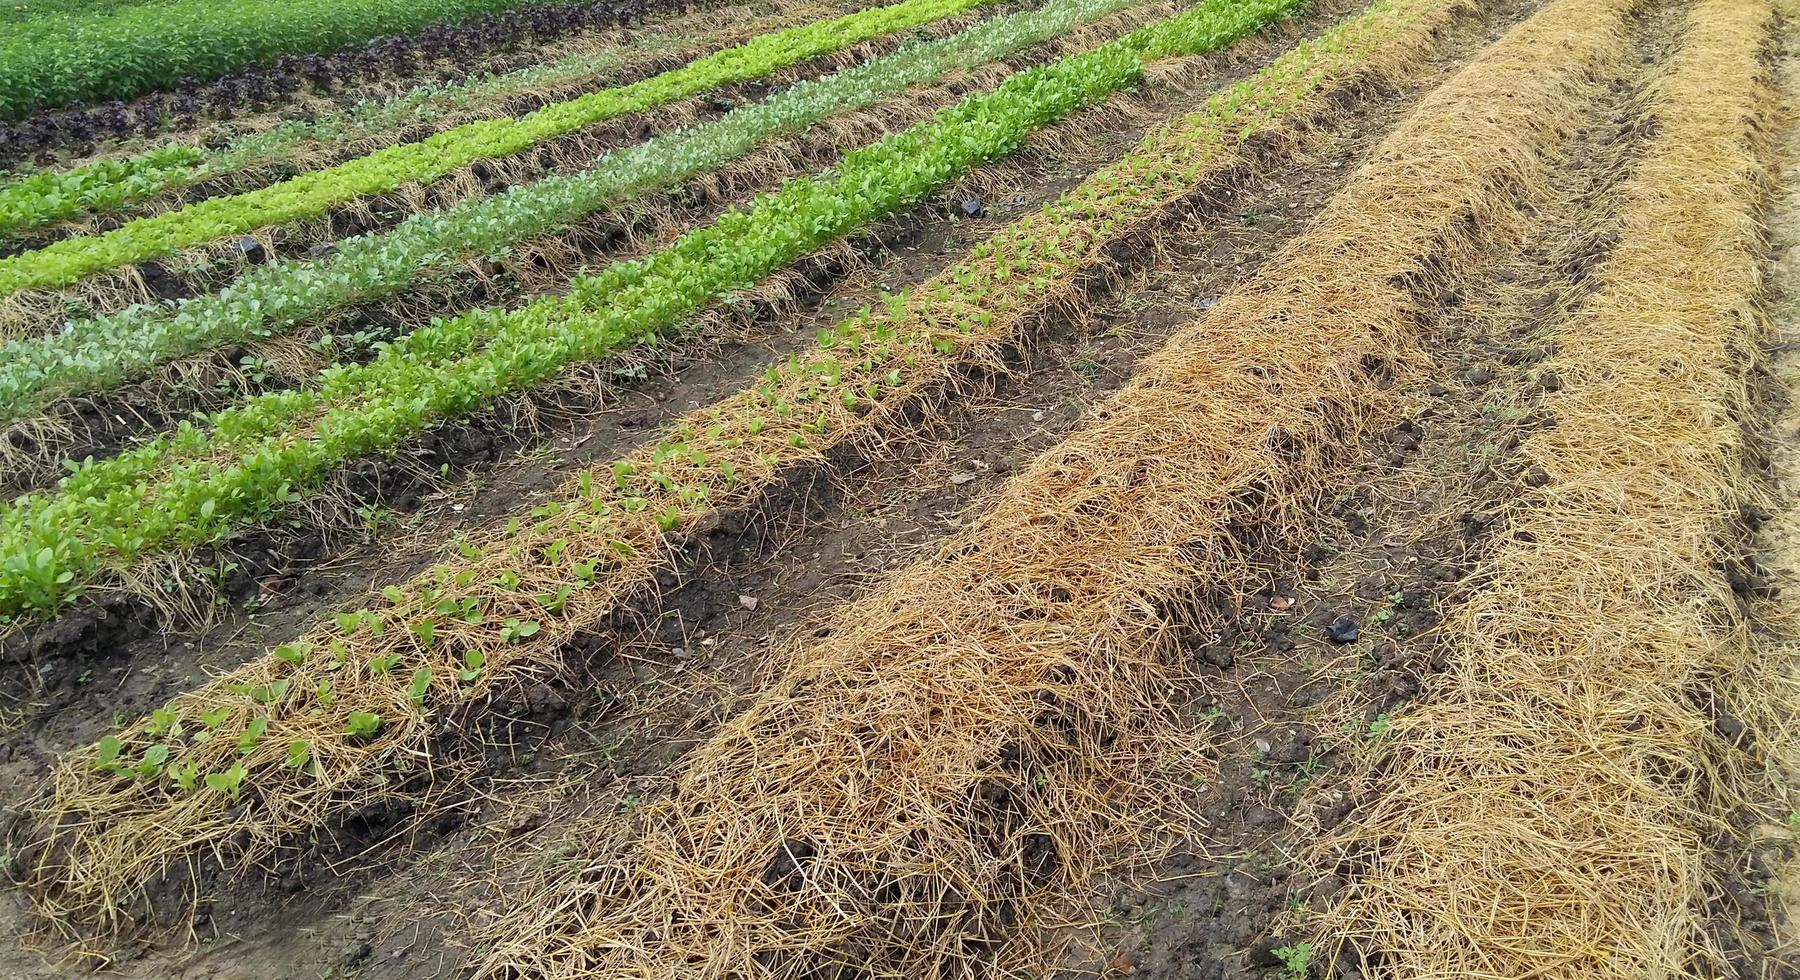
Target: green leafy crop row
116,54
312,194
41,198
325,719
192,486
89,355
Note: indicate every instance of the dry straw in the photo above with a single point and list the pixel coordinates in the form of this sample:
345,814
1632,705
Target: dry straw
946,769
1547,813
99,840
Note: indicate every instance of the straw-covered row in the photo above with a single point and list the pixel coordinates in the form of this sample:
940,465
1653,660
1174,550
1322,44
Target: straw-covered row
973,739
194,485
340,717
1548,811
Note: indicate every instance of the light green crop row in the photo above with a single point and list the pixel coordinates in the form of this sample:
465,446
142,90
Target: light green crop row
259,754
89,355
194,485
49,195
312,194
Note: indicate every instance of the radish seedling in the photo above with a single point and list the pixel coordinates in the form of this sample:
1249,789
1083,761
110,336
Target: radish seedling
229,782
421,683
299,754
151,766
108,758
252,735
186,776
362,724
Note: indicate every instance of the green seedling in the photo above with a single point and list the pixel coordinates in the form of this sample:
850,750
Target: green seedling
229,782
362,724
151,766
164,722
186,776
108,758
299,754
252,735
421,683
1294,960
291,653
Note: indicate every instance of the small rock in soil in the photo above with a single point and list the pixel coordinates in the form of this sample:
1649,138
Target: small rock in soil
1334,813
1480,374
974,208
1262,818
1728,726
1342,630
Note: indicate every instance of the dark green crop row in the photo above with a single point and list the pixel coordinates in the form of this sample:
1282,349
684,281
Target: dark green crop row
59,59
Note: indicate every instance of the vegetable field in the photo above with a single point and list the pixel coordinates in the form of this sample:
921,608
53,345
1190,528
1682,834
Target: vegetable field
1272,489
